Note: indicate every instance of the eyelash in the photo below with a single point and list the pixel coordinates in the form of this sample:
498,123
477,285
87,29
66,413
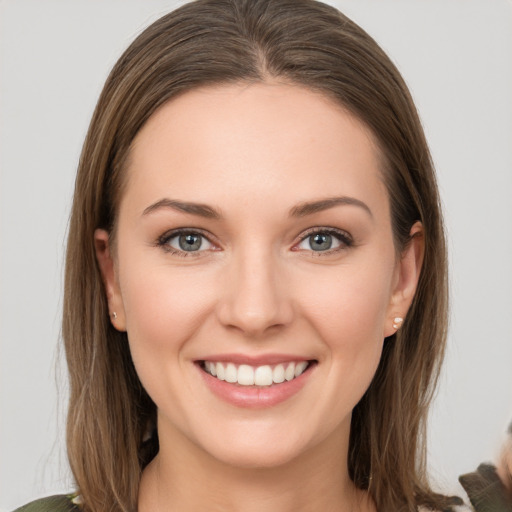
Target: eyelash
163,241
343,237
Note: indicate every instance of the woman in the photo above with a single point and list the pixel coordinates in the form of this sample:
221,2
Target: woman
255,300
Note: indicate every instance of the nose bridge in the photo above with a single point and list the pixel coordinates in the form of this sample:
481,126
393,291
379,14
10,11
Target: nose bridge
255,298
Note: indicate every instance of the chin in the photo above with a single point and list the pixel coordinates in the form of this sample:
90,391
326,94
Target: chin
256,457
262,446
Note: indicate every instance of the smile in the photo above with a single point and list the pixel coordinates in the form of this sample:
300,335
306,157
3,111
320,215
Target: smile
255,383
247,375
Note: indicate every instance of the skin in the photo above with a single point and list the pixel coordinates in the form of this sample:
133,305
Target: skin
254,152
504,467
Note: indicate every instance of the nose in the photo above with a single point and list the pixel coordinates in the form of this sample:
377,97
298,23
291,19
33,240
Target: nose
255,299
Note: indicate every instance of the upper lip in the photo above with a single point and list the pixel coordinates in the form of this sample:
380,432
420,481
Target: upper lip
255,360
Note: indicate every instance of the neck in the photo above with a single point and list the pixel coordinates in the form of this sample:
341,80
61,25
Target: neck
183,477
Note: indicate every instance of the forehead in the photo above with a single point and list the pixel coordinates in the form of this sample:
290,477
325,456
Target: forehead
253,141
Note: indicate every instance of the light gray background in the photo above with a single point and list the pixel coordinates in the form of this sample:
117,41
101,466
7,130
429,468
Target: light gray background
456,55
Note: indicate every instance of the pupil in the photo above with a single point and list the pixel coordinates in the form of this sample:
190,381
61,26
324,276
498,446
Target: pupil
321,242
190,242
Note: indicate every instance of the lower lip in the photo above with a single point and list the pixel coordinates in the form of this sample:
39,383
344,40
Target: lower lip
255,397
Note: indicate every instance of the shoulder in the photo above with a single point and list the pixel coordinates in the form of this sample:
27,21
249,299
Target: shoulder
459,508
59,503
485,490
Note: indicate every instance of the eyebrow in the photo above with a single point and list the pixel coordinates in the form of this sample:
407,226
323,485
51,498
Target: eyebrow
202,210
300,210
303,209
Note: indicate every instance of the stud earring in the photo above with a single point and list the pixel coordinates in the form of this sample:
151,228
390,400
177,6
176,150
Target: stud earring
114,315
397,322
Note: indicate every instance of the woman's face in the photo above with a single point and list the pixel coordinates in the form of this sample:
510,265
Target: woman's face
254,242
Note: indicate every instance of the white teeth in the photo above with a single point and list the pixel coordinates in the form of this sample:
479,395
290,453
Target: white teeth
231,373
300,367
246,375
278,374
263,376
219,368
289,373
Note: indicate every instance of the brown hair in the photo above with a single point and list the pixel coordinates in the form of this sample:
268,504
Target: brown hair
210,42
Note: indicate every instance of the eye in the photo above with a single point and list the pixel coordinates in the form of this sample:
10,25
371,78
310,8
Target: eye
180,242
325,240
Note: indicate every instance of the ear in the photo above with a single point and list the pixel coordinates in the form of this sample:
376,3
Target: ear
407,274
110,281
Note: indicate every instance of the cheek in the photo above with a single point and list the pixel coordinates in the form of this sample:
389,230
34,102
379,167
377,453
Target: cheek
349,312
350,304
163,311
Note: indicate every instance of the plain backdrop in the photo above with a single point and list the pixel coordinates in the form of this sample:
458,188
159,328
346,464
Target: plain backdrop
456,56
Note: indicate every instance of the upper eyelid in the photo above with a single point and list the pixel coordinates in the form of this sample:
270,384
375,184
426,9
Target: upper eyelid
165,237
344,238
324,229
171,233
163,242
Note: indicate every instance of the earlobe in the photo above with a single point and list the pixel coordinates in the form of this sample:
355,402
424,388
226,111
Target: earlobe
406,279
108,272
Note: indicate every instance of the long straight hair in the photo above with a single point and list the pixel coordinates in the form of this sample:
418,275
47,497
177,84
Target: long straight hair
110,428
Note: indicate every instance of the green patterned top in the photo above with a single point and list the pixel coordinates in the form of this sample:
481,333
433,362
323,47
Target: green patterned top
60,503
485,491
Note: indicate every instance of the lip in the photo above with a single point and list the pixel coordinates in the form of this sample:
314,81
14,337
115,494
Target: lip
255,397
261,360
